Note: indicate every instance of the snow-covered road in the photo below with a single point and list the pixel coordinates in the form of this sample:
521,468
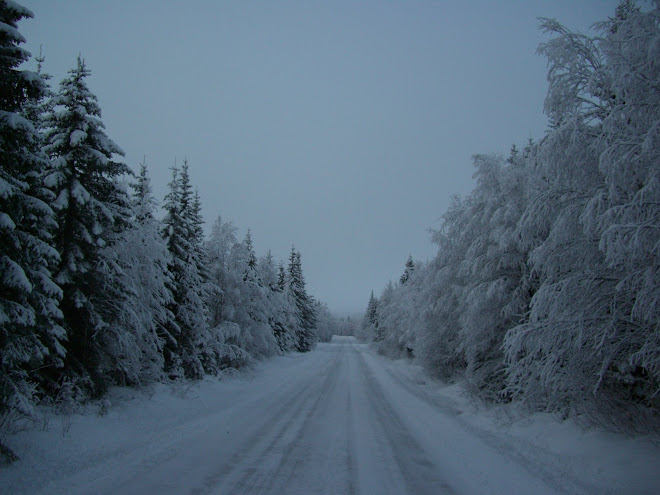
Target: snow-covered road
338,420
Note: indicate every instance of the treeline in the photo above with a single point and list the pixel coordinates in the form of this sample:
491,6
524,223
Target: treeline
546,286
94,289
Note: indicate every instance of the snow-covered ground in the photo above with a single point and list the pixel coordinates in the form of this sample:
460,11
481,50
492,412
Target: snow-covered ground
337,420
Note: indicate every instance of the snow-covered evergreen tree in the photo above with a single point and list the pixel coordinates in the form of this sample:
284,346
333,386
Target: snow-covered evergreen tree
226,335
93,208
302,303
30,335
280,314
326,324
410,267
184,356
37,109
142,255
254,311
370,320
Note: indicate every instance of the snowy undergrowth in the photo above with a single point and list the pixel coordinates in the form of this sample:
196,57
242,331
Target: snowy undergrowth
617,462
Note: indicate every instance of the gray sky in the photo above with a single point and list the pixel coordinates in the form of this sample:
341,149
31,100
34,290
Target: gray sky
341,126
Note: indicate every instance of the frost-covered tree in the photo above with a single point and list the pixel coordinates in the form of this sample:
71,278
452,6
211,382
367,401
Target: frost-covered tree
302,303
218,249
326,324
591,344
254,311
410,267
369,328
93,208
226,335
545,288
491,270
144,319
280,314
37,109
394,319
437,341
30,335
185,354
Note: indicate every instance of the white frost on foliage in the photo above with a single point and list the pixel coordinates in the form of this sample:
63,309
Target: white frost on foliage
13,276
62,200
11,33
6,222
6,190
79,193
77,136
19,9
15,121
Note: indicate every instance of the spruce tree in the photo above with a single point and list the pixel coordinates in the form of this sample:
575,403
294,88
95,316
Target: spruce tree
281,277
370,320
36,109
182,234
303,304
30,336
410,267
93,208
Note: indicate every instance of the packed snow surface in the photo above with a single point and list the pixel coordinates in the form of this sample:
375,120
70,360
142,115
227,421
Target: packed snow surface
338,420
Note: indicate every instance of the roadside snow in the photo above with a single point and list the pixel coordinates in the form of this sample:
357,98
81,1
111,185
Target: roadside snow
598,461
64,445
341,419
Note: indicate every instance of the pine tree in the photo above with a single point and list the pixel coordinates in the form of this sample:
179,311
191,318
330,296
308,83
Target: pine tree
302,303
410,267
370,320
36,109
279,311
258,303
30,336
93,208
281,277
182,234
372,311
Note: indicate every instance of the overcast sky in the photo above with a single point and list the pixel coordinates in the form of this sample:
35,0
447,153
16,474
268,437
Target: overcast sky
341,126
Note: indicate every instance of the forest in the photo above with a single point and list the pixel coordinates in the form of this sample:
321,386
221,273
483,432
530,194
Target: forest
545,289
96,289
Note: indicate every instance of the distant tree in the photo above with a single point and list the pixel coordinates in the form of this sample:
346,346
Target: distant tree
370,320
326,324
226,334
181,227
410,266
281,277
302,303
280,315
256,303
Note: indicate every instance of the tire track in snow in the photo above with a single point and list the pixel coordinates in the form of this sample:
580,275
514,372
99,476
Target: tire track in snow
548,470
419,473
247,468
351,460
296,451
